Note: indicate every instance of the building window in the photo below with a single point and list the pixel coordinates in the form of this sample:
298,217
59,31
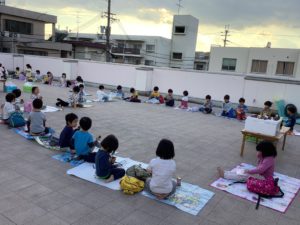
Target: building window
137,46
18,27
149,62
179,30
177,56
229,64
200,67
32,52
150,48
285,68
259,66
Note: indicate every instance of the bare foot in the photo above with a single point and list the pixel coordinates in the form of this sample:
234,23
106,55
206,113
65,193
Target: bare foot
221,172
110,179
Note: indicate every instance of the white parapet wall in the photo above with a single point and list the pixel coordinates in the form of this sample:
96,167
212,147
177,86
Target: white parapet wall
255,89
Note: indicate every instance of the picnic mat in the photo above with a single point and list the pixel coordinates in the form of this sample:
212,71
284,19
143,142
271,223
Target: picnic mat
50,109
290,186
188,198
67,157
24,134
50,143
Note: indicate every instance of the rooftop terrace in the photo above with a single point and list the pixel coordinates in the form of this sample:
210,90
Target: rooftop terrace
35,190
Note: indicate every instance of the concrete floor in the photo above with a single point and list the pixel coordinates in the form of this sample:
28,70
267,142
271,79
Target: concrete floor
35,190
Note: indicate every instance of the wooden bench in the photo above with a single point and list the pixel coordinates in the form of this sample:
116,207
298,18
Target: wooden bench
282,134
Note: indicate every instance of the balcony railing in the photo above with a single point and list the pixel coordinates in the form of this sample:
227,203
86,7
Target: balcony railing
133,51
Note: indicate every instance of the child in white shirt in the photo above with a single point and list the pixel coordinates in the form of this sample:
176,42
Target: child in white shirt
9,106
184,100
162,169
101,95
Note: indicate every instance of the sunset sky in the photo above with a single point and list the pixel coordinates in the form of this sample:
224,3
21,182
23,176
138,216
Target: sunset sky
253,23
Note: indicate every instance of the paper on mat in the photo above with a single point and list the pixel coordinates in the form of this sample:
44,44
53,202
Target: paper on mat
290,186
87,171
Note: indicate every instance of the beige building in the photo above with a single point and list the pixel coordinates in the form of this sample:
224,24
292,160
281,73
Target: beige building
23,32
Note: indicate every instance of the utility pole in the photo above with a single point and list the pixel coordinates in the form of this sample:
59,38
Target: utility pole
77,20
110,19
179,6
225,34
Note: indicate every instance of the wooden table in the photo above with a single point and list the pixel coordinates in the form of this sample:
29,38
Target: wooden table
282,134
3,81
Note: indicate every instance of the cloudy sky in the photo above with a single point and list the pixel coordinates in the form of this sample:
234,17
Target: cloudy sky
253,23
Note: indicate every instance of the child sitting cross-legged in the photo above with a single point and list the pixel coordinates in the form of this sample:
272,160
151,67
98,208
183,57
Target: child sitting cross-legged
169,99
82,141
105,167
184,100
134,96
68,131
8,107
154,96
162,169
19,102
207,106
227,109
37,120
35,93
101,95
266,113
241,110
119,92
291,111
266,154
72,101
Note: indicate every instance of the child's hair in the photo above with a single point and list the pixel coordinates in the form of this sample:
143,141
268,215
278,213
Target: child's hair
292,109
242,100
85,123
267,149
81,86
185,93
119,87
37,103
268,103
10,97
37,71
48,73
101,87
165,149
17,68
76,89
79,79
33,89
155,88
63,75
208,97
132,90
110,143
226,97
17,93
70,118
170,91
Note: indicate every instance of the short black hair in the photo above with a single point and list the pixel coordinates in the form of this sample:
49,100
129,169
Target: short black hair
33,89
85,123
76,89
81,86
155,88
119,87
79,79
267,149
292,109
268,103
170,91
17,93
70,117
10,97
185,93
227,97
101,87
37,103
242,100
37,71
132,90
17,68
64,74
165,149
208,97
110,143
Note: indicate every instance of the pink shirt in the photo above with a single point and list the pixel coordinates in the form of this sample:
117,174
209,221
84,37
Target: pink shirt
265,167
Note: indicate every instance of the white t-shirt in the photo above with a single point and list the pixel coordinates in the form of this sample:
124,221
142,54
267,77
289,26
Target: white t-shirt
162,174
101,95
8,108
185,99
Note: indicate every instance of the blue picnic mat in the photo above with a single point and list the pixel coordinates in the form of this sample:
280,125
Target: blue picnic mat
188,198
24,134
67,157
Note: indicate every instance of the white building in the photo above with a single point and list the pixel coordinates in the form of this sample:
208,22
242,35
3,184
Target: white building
178,52
184,40
260,61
